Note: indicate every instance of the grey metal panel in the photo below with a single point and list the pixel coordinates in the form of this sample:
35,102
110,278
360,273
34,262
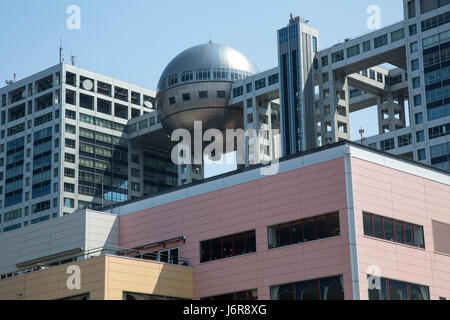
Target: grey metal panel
207,56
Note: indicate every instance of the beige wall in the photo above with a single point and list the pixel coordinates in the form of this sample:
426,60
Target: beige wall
103,277
133,275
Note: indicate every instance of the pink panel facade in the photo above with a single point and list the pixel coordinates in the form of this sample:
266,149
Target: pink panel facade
301,193
394,194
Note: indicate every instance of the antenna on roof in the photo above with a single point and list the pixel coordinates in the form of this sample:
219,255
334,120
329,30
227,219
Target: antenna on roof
73,59
61,59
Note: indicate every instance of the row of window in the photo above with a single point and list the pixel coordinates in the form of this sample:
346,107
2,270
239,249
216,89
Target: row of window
387,289
21,93
435,21
439,131
106,89
393,230
220,94
316,228
204,74
102,122
103,106
305,230
366,46
229,246
259,84
330,288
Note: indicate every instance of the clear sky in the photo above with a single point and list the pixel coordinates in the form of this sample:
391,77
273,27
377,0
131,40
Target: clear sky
133,40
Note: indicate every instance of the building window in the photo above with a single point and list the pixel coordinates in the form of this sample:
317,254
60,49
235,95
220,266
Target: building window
273,79
203,95
414,47
104,88
68,157
324,60
70,143
86,101
237,92
396,290
221,94
418,118
314,44
71,114
249,118
259,84
242,296
415,65
393,230
330,288
337,56
229,246
172,100
379,77
416,82
69,187
421,155
420,136
387,144
104,106
71,97
353,51
412,29
186,96
249,87
121,93
380,41
404,140
69,203
70,173
71,129
418,100
71,79
398,35
305,230
367,46
439,131
136,98
135,187
187,76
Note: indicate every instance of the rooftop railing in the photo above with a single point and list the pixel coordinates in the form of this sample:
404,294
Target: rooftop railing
98,252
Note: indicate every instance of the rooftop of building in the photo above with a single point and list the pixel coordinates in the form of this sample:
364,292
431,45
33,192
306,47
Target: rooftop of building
302,159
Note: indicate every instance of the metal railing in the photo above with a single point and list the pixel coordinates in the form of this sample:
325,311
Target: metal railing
98,252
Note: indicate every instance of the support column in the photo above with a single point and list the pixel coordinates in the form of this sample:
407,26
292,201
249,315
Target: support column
339,107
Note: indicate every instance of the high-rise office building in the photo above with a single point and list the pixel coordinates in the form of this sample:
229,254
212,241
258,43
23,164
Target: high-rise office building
64,145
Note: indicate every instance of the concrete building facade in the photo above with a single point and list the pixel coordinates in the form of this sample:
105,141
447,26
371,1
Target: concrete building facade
64,145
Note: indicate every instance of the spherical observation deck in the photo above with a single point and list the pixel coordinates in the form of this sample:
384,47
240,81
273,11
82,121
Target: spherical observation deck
196,86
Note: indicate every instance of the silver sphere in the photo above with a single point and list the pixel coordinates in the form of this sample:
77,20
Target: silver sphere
196,86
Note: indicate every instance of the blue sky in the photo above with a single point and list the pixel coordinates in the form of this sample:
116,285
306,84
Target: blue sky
134,40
